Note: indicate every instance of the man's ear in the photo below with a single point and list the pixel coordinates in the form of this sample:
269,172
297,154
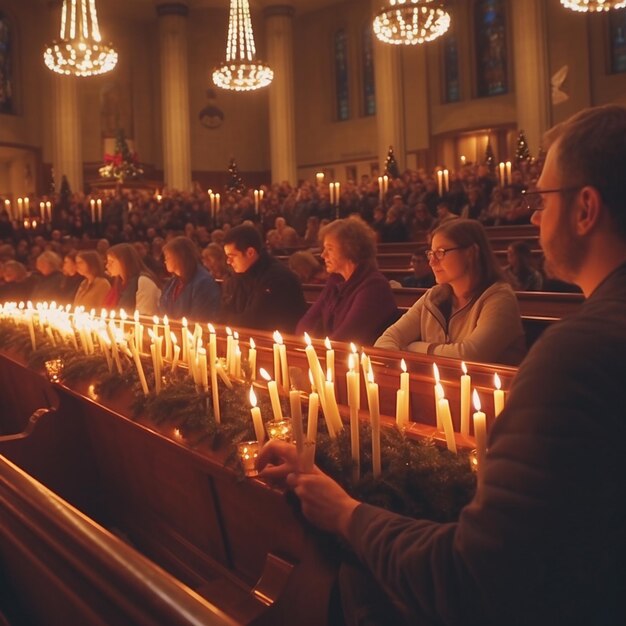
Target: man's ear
589,210
250,252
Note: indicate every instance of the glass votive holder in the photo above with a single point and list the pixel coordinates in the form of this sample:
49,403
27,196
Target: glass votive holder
54,369
306,458
279,429
248,453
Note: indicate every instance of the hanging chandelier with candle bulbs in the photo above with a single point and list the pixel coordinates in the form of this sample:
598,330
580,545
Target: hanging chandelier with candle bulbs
241,71
593,6
411,22
80,51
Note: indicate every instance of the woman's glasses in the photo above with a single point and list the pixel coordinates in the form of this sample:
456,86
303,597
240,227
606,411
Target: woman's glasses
439,253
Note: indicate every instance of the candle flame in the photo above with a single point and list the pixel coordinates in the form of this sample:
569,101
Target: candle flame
264,374
151,334
464,367
252,344
307,339
165,320
403,365
278,338
439,391
353,348
229,332
476,400
436,372
327,344
136,315
173,338
252,397
184,322
236,335
155,319
211,328
111,315
123,315
496,381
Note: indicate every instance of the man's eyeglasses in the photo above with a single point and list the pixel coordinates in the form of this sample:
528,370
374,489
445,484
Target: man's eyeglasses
534,198
439,253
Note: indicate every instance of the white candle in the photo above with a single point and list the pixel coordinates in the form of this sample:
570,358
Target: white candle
213,369
42,211
319,178
509,172
92,204
138,365
405,396
446,180
49,209
374,407
316,369
385,183
401,423
204,376
381,192
222,374
466,382
437,411
252,359
354,403
183,341
330,358
446,420
229,348
331,413
480,434
257,422
296,418
99,207
498,396
168,339
272,389
234,365
501,174
440,182
176,355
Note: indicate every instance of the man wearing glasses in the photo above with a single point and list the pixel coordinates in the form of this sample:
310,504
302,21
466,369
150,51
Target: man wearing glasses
544,539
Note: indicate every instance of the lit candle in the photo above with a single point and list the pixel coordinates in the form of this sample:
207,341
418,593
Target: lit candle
331,193
440,182
331,413
381,192
284,367
176,352
319,178
257,422
446,419
354,403
232,367
42,210
311,431
155,363
114,349
237,362
501,173
272,389
222,374
385,183
276,354
155,326
99,207
183,341
437,387
49,209
316,369
480,434
466,382
256,201
218,201
168,338
404,397
296,419
374,407
123,318
463,159
498,396
229,348
252,359
213,369
509,172
20,208
446,180
138,365
92,204
330,358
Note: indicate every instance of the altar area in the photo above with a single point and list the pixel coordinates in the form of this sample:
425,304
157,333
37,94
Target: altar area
160,478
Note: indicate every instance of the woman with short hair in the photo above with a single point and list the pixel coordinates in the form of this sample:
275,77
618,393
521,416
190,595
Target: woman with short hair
191,292
134,287
94,288
357,301
472,313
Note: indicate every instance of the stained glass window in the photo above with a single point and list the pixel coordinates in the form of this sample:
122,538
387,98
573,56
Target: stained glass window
369,84
491,47
451,68
6,62
341,75
617,29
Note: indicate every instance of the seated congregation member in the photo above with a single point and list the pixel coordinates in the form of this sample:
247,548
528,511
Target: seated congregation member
134,287
543,541
214,259
263,292
307,268
18,282
49,286
472,313
520,271
357,302
94,288
422,276
71,278
191,292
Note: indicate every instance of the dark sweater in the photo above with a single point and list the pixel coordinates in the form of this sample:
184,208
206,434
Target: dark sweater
198,300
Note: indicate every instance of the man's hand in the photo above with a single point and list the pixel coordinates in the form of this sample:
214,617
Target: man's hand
324,502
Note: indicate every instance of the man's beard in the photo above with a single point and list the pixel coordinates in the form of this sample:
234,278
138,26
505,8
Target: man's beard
565,252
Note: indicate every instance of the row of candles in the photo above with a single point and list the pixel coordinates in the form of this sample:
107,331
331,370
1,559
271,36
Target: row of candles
23,211
109,332
96,210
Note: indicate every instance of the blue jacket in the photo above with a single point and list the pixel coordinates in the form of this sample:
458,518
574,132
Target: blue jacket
198,301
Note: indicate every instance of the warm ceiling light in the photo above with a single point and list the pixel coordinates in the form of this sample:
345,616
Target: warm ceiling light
409,22
80,51
593,6
241,71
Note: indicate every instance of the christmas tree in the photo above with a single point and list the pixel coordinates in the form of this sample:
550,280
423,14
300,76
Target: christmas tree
391,166
65,193
490,159
122,164
234,182
522,153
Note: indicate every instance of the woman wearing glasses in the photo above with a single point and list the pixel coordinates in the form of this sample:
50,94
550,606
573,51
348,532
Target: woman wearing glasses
472,312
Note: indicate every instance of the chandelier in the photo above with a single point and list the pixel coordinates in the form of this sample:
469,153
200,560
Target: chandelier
241,71
409,22
80,51
584,6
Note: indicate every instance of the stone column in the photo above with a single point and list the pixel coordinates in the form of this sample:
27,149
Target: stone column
67,153
389,100
175,93
279,36
532,80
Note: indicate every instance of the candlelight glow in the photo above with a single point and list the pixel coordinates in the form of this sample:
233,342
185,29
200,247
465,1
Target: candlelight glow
252,344
264,374
278,338
464,367
155,319
252,397
351,362
165,320
229,332
436,373
307,339
496,381
123,315
353,348
403,365
184,321
211,328
439,391
476,400
136,315
327,344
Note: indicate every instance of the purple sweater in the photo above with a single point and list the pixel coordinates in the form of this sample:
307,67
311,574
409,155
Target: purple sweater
357,310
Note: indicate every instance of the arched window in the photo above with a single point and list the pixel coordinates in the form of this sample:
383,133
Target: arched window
491,47
341,76
369,84
6,64
617,30
451,68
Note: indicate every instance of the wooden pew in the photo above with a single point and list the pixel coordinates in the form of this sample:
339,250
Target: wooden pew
59,567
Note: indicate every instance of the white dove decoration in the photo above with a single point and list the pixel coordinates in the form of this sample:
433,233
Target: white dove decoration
556,82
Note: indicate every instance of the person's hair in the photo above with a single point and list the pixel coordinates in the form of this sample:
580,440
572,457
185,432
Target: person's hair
304,265
186,253
54,261
592,151
7,252
131,262
524,256
244,237
356,239
16,269
466,233
93,261
216,253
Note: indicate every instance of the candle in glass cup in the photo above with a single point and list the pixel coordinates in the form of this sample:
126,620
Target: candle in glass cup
248,453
